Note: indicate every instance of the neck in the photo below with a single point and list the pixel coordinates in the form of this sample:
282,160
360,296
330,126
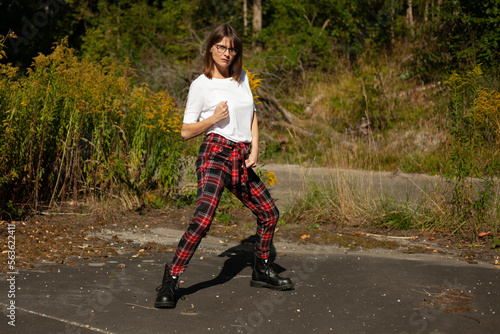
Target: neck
220,73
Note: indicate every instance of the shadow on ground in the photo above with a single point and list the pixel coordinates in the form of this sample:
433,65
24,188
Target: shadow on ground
238,258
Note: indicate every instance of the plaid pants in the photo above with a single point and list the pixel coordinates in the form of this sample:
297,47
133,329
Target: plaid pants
220,165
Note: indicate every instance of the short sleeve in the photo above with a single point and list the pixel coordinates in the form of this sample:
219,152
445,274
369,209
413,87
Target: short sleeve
194,104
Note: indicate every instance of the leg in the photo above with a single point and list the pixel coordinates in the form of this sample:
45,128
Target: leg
259,200
211,183
210,186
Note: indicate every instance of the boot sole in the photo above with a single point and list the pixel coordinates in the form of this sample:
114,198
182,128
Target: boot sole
259,284
165,305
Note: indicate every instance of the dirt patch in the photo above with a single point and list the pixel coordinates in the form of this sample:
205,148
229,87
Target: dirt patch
450,300
62,235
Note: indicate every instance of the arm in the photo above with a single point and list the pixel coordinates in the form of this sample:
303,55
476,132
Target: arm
254,155
191,130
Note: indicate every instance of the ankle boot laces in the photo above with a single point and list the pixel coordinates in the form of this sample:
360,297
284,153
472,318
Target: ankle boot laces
168,284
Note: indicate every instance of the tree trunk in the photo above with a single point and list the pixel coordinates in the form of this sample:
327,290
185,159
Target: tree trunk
438,9
245,17
433,11
426,12
409,18
257,17
392,10
257,22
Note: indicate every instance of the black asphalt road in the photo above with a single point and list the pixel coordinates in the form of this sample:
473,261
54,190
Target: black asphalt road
336,292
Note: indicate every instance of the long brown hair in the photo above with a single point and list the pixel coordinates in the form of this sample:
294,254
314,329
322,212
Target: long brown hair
219,32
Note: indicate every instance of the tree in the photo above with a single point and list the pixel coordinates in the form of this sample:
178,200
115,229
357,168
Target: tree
409,18
245,17
257,17
464,34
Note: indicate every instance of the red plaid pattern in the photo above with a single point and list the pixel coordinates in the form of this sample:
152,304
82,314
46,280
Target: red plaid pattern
221,164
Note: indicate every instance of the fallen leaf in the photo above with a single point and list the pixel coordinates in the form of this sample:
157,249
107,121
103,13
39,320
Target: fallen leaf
305,236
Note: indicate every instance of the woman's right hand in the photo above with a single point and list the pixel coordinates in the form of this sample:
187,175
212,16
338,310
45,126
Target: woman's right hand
192,130
221,112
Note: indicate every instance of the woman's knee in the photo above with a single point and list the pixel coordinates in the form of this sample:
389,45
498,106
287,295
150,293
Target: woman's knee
270,216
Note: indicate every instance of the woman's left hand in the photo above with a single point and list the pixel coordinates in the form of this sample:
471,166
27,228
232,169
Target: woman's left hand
251,161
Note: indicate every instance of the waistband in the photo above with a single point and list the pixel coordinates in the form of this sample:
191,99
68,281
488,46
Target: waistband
238,155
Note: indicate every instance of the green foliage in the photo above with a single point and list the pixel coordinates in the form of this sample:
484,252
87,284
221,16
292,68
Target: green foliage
136,30
296,35
465,35
307,34
495,243
395,215
316,204
228,202
2,52
302,34
10,34
430,163
155,200
72,128
471,201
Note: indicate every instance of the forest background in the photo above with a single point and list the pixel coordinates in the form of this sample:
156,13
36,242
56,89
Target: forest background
92,93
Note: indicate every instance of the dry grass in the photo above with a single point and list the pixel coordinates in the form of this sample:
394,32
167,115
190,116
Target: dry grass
338,201
348,202
371,117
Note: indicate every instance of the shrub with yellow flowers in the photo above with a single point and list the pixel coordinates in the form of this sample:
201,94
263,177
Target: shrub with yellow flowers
73,128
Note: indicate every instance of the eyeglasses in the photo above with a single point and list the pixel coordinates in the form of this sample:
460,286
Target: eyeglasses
221,49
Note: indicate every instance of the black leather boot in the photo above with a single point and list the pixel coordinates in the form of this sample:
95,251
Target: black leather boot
165,298
264,276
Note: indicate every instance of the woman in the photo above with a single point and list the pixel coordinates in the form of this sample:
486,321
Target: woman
220,105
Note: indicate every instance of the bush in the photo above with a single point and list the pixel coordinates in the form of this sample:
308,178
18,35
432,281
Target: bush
76,128
474,127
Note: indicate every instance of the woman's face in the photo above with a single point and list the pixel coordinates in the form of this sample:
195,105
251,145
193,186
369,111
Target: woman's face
223,53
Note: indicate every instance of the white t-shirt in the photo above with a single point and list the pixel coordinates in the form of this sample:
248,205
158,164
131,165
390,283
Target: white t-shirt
205,94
